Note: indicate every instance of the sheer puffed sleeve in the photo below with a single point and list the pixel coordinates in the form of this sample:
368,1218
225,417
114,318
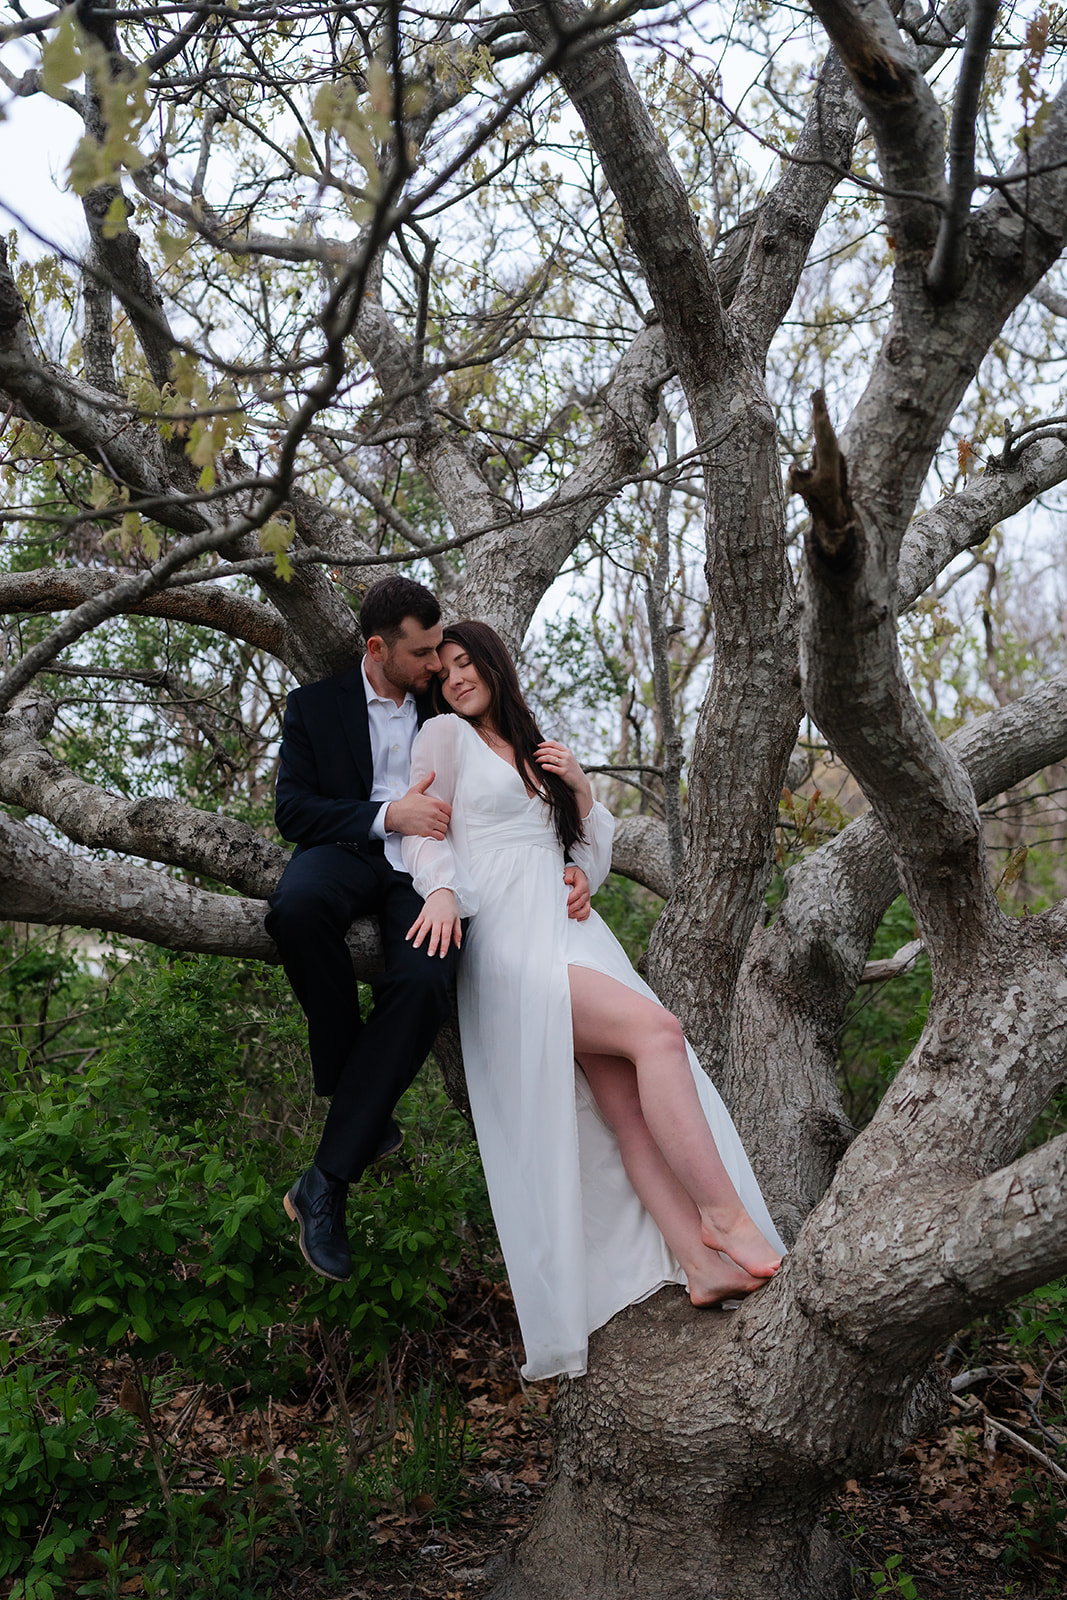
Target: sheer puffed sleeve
441,863
593,854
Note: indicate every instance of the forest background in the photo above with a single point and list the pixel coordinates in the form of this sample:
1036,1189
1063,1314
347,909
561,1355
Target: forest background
492,406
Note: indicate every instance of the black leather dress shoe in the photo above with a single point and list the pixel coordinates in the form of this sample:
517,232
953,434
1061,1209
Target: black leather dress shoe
392,1141
316,1202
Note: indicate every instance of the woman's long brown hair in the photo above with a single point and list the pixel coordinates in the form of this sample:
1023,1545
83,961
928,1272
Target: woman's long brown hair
513,720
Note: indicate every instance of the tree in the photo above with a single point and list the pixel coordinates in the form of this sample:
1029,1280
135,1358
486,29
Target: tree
389,302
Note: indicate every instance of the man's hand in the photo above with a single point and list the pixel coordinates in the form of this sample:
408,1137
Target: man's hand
578,906
418,812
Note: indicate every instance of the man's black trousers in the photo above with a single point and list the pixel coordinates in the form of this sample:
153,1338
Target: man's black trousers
365,1066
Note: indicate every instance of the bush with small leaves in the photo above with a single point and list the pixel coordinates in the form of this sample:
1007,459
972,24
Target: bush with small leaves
65,1464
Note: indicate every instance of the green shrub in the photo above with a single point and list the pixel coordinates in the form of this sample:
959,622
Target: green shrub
175,1242
205,1037
1039,1529
143,1243
169,1252
64,1465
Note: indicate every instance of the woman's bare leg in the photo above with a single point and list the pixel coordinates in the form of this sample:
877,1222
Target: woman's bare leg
610,1019
711,1276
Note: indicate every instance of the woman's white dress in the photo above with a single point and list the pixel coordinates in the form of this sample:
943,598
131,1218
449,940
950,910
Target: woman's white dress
577,1242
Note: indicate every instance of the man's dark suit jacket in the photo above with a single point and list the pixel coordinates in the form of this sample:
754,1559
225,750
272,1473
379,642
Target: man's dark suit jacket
325,772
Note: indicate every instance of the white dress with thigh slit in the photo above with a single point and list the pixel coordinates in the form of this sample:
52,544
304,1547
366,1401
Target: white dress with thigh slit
577,1242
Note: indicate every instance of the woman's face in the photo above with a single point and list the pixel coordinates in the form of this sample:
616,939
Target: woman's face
464,689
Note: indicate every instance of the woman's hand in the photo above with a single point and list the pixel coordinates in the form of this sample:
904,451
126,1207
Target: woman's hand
440,920
555,757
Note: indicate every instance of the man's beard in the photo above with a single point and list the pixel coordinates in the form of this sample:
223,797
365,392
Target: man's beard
406,685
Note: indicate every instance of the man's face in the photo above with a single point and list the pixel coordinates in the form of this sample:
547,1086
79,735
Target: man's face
411,661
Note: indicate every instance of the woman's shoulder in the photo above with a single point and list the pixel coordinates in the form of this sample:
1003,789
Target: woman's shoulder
446,731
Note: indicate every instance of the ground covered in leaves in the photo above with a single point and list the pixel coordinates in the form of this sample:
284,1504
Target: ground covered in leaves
967,1513
971,1512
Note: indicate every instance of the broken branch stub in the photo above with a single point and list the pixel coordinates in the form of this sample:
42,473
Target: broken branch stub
823,487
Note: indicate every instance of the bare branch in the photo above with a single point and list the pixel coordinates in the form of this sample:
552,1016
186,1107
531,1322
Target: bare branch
959,521
39,883
154,829
445,576
895,965
1008,1233
659,219
185,34
30,25
1050,298
948,270
903,114
640,852
789,216
509,571
202,605
120,597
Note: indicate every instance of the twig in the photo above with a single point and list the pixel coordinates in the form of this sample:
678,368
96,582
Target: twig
995,1425
183,1422
342,1398
967,1380
272,1451
893,966
151,1432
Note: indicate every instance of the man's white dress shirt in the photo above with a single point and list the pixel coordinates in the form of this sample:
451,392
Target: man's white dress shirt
392,733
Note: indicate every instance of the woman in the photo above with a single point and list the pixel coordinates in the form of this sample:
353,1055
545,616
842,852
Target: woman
606,1182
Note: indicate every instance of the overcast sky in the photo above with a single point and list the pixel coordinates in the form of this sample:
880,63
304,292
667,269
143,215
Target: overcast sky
37,136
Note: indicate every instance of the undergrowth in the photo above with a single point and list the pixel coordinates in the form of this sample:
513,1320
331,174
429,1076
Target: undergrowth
145,1255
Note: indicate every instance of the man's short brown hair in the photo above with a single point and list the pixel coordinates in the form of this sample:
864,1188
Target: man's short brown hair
388,602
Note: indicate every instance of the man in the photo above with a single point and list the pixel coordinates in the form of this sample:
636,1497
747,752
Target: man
344,798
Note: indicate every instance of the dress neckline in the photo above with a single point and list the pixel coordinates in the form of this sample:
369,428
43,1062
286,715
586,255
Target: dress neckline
538,794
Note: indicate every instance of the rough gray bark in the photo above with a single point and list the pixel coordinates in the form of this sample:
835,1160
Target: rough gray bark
44,884
801,972
960,521
749,719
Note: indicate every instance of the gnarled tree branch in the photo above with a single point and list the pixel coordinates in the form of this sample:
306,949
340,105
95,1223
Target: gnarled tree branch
856,690
203,605
948,269
904,116
959,521
154,829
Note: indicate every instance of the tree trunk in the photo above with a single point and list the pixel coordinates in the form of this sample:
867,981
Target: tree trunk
694,1460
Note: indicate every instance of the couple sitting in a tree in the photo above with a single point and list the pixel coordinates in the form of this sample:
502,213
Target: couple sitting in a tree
612,1164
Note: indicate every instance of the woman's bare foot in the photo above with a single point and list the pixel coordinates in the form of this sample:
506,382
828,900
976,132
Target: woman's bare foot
737,1236
715,1279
